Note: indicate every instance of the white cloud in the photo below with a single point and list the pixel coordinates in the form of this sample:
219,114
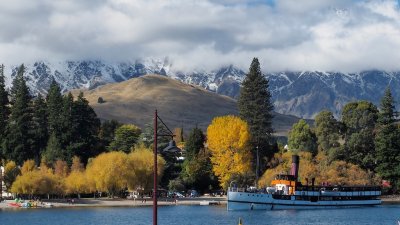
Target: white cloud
338,35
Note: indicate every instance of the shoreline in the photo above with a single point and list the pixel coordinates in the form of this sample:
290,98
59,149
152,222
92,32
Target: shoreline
105,202
390,199
148,202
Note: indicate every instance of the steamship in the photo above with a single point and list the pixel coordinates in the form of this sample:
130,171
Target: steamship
286,192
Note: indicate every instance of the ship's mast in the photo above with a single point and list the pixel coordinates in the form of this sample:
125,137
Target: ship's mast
257,167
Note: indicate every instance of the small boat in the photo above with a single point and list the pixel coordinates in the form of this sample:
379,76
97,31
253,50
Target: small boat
14,204
209,202
204,203
47,205
288,193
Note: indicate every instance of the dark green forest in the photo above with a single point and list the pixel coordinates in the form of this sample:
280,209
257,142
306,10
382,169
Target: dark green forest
52,127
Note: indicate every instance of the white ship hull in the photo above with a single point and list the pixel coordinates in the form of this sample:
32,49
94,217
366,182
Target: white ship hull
261,201
286,192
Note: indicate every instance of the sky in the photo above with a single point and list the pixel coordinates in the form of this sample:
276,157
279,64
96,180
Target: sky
323,35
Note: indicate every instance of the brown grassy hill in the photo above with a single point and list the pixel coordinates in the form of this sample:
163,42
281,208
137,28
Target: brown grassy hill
178,104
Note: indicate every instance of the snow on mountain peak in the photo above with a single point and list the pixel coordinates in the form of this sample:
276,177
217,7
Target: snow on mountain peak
298,93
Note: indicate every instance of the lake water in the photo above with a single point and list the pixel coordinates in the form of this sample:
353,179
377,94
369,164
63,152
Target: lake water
198,215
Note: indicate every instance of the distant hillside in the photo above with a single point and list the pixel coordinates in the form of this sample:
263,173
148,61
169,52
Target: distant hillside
178,104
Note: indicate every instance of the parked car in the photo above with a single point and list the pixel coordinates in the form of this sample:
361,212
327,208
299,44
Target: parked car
179,195
219,193
175,195
194,193
132,195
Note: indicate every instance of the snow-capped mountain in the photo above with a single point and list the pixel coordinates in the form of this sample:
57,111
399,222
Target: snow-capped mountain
302,94
84,74
306,93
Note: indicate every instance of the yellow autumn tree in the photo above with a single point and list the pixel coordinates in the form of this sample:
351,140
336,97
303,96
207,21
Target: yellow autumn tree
26,183
320,168
228,140
61,168
342,173
49,182
109,172
11,171
29,165
58,174
76,183
34,180
307,167
77,165
140,168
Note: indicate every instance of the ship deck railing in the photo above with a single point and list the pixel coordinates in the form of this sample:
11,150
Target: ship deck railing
338,188
236,189
319,190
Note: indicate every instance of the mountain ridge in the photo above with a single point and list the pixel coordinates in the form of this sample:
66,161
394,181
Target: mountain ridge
302,94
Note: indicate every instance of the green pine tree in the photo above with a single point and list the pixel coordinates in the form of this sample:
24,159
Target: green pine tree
197,168
85,129
54,101
194,143
255,107
68,126
387,112
17,82
53,150
387,142
59,122
107,133
18,142
4,107
39,127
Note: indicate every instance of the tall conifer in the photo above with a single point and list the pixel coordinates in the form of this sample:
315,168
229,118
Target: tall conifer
39,127
53,150
4,107
387,141
255,107
85,129
194,143
18,142
54,102
55,117
66,122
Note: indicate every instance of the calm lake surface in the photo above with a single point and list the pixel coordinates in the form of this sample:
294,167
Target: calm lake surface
198,215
